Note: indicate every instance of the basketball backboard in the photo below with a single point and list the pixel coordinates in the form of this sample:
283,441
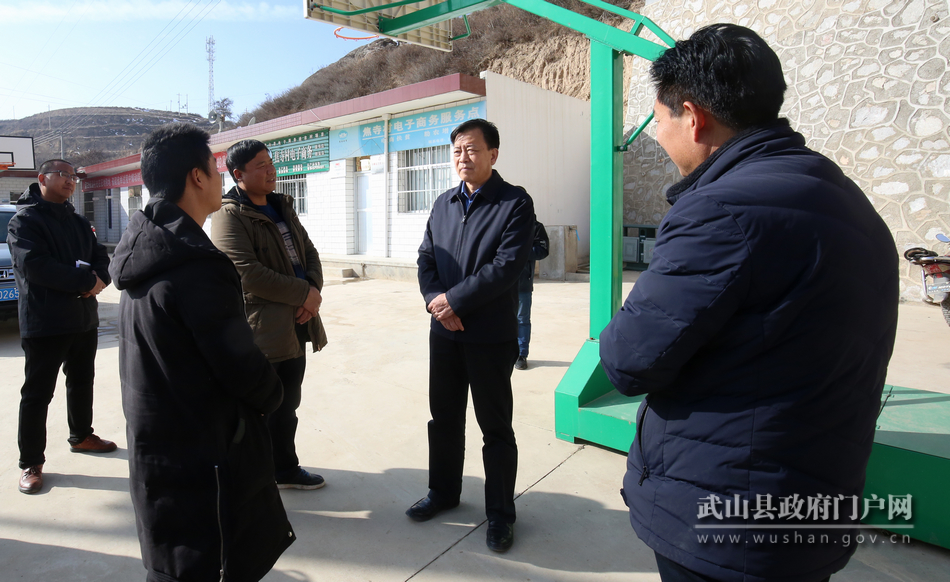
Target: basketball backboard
17,152
437,35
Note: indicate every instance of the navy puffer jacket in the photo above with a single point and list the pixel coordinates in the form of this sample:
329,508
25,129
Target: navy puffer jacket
761,335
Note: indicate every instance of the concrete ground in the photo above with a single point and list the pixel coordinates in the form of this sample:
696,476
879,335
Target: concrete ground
363,427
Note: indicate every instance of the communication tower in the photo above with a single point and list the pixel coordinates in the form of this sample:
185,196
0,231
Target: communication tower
209,46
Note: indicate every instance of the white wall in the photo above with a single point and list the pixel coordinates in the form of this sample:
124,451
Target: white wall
329,217
10,185
545,147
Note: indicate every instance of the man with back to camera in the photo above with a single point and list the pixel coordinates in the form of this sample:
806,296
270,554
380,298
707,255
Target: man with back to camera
195,387
282,277
59,267
762,368
474,249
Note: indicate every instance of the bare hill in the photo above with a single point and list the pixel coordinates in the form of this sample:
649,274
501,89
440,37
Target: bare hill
92,134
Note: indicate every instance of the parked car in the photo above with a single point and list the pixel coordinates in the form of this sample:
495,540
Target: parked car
8,291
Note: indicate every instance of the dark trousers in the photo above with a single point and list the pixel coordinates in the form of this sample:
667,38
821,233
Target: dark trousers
670,571
282,423
486,368
524,322
76,353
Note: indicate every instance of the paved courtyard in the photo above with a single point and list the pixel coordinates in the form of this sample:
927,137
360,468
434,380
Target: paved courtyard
363,427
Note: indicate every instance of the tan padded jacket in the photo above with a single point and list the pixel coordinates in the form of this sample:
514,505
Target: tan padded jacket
272,292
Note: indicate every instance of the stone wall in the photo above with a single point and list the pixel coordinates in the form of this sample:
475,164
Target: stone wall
868,86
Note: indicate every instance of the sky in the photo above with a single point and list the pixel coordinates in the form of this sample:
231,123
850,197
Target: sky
152,53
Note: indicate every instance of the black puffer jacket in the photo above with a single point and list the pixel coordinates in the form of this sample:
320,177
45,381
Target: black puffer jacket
476,258
763,354
46,239
194,389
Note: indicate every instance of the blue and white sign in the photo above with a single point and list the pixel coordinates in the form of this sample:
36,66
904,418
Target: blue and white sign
422,130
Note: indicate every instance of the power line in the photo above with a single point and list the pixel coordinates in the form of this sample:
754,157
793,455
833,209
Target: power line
138,71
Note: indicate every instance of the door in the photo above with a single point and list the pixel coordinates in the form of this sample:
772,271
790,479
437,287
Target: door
364,217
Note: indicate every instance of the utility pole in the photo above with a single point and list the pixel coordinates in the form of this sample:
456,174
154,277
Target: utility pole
209,45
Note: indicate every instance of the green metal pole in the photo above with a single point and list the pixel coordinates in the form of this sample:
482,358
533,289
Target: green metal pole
606,184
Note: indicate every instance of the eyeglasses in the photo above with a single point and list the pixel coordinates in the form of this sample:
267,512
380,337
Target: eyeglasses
71,177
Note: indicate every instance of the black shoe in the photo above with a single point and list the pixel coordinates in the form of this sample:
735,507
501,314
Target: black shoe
500,536
427,508
521,363
299,478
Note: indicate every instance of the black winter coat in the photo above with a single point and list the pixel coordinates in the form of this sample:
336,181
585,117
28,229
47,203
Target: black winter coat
194,389
761,335
476,258
540,247
46,239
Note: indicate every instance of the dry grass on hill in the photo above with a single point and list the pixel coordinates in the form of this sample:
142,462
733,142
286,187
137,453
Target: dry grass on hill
385,64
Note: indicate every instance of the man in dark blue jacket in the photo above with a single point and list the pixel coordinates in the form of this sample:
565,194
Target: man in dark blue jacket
762,367
59,267
475,247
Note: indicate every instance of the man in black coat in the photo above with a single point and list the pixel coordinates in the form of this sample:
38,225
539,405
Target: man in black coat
59,267
475,246
762,367
539,251
195,387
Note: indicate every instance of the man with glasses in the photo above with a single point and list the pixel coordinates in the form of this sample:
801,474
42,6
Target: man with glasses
59,267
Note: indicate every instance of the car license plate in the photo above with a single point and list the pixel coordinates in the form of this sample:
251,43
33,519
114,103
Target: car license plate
9,294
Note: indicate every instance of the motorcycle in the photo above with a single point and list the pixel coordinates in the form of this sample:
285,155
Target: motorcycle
934,275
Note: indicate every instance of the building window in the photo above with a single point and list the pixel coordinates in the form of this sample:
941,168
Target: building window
296,186
135,199
423,174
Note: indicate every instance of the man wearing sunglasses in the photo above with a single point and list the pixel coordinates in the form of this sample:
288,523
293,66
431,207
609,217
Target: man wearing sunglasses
59,267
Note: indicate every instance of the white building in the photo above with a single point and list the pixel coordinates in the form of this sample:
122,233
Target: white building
364,172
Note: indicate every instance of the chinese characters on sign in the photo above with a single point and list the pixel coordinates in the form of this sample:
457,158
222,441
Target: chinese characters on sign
301,154
819,507
421,130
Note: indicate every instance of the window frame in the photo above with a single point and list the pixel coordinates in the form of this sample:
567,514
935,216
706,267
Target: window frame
422,174
294,185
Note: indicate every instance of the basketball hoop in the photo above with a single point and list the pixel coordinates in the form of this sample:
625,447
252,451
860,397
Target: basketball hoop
5,167
337,34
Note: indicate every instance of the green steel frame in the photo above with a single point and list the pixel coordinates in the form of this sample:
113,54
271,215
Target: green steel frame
906,458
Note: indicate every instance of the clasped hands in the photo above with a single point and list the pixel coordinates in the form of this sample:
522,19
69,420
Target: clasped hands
96,289
442,312
310,307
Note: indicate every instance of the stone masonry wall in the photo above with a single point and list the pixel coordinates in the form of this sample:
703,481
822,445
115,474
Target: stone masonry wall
868,86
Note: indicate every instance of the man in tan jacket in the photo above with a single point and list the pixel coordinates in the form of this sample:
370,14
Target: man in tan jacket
282,277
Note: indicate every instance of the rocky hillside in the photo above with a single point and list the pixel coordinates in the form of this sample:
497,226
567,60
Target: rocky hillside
92,134
504,40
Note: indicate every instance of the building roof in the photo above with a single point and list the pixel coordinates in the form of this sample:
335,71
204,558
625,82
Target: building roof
431,93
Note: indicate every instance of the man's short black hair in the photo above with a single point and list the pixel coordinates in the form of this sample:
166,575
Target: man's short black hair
169,154
243,152
488,129
50,165
726,69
